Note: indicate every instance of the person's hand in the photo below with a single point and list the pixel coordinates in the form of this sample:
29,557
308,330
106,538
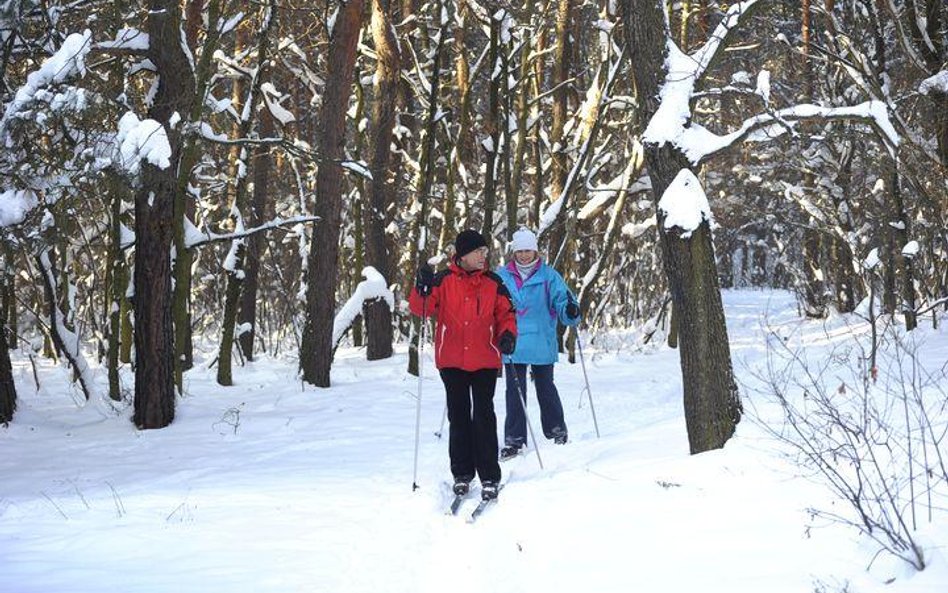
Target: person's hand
507,343
424,280
572,309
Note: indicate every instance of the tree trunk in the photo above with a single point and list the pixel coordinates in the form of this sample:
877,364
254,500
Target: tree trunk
711,400
7,341
184,206
419,238
154,220
523,112
559,166
492,125
236,275
814,288
7,385
358,216
460,153
316,348
378,316
712,403
902,233
256,243
117,285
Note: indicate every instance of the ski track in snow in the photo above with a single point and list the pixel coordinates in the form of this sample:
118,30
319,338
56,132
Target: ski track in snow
267,486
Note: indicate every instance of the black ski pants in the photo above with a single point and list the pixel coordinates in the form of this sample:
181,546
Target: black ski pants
472,443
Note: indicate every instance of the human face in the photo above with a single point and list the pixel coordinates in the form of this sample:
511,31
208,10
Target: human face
475,260
525,256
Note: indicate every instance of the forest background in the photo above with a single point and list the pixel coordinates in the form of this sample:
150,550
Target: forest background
266,176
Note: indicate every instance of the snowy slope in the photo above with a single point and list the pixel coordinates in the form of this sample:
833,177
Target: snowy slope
268,486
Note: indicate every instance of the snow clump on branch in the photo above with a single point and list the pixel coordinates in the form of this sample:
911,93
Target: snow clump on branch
684,204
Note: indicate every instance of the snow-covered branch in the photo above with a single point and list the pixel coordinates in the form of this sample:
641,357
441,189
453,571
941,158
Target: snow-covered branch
196,237
373,287
66,341
68,62
705,55
683,72
699,144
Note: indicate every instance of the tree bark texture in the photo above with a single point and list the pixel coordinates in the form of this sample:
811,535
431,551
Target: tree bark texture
316,348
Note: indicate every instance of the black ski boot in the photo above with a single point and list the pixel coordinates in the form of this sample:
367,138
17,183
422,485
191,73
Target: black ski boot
462,485
489,490
509,452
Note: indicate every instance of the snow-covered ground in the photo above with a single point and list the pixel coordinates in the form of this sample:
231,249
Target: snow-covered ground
270,486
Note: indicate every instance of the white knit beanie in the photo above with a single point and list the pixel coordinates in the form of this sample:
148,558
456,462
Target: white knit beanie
524,240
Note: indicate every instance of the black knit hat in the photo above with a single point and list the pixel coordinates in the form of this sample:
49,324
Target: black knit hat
467,242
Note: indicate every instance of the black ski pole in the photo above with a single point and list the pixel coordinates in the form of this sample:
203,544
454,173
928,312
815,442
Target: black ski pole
522,396
582,360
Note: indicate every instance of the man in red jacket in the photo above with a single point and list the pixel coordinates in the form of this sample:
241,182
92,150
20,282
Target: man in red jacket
476,323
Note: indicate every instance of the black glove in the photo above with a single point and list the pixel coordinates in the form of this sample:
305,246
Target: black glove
507,343
424,280
572,309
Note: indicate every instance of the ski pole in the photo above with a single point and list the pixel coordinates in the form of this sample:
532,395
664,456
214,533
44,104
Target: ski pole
421,375
582,360
522,396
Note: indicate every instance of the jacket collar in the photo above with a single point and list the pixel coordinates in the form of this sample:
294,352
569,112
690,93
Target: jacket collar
512,268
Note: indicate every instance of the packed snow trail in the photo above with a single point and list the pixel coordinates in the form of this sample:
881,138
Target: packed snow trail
273,486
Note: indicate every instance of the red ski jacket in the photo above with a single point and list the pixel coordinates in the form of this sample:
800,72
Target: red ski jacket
472,309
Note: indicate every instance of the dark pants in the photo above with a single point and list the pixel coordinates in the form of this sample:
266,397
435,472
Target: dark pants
473,428
551,409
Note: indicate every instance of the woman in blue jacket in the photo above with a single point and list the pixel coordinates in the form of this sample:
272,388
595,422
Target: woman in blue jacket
542,299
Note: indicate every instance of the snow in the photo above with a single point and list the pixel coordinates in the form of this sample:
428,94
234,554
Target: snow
685,204
763,85
935,84
273,486
910,249
272,97
15,204
682,74
68,62
671,123
72,345
872,260
698,143
141,140
225,27
634,230
373,287
358,167
129,39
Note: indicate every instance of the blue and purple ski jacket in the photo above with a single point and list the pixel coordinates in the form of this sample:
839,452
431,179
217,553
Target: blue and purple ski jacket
540,300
